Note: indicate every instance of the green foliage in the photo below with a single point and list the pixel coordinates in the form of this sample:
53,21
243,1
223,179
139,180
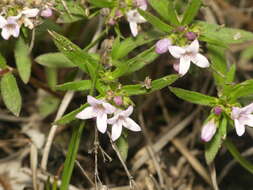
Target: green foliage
166,10
191,11
10,93
103,3
237,156
212,147
54,60
47,105
3,64
156,22
194,97
23,60
75,85
122,145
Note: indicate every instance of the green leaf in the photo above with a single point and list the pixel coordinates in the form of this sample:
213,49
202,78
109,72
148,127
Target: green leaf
166,10
156,22
121,48
135,63
194,97
75,85
191,11
212,147
23,60
70,12
103,3
155,85
78,57
51,75
10,93
71,156
122,145
237,156
223,34
241,90
47,105
3,64
230,76
54,60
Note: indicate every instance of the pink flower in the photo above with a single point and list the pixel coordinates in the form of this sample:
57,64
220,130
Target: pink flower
191,36
242,117
118,100
217,110
122,119
187,55
142,4
162,45
208,131
26,15
47,12
10,27
98,109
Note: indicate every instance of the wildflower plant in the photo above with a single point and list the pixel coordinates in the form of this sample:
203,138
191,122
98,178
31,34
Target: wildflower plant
107,99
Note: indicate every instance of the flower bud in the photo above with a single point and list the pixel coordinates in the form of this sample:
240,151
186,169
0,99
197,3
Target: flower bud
208,131
162,45
176,67
217,110
142,4
118,100
191,36
46,13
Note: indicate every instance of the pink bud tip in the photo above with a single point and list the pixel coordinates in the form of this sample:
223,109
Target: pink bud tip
162,45
217,110
191,36
46,13
118,100
208,131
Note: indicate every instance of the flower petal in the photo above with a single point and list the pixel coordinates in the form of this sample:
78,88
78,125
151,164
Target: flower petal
184,65
109,109
5,34
162,45
127,112
248,109
102,122
193,47
93,101
239,127
3,21
131,125
31,12
15,31
236,111
113,119
200,60
133,28
208,131
87,113
116,130
176,51
249,120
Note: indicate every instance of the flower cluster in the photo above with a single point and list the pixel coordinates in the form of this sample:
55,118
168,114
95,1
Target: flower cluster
186,54
99,109
241,116
11,25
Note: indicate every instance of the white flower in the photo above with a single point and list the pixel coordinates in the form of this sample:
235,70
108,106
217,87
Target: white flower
187,55
122,119
134,18
98,109
208,131
10,27
26,15
242,117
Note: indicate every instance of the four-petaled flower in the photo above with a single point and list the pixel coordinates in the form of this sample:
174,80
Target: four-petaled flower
9,27
134,18
208,131
187,55
242,116
121,118
98,109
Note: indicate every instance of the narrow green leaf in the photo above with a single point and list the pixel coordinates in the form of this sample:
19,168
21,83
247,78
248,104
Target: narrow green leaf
10,93
212,147
191,11
156,22
71,156
166,10
223,34
75,85
155,85
241,90
54,60
51,75
237,156
103,3
23,60
121,48
3,64
194,97
122,145
230,76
